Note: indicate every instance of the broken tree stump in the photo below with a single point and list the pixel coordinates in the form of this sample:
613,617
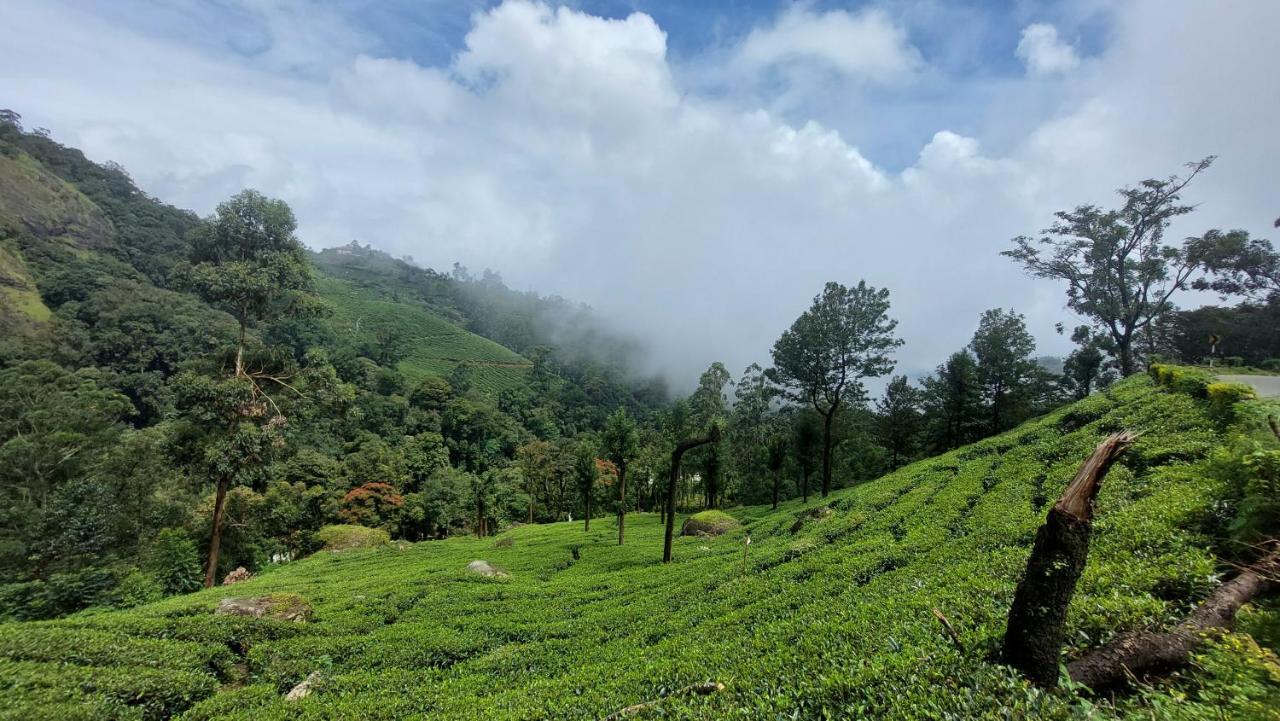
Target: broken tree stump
1135,655
1036,629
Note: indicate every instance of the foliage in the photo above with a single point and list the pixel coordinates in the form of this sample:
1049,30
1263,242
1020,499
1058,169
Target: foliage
346,537
832,621
174,561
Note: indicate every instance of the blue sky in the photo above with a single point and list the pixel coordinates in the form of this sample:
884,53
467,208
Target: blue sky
694,170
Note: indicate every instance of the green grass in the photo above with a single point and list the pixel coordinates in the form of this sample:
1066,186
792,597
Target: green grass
436,346
833,621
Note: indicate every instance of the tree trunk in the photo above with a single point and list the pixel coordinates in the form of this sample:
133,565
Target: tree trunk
1140,654
805,491
681,448
240,352
215,538
531,506
826,451
622,503
775,490
1037,619
1124,346
586,522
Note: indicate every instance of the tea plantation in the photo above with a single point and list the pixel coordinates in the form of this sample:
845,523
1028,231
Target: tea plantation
831,618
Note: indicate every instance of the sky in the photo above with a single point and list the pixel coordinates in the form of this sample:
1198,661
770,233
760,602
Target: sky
695,171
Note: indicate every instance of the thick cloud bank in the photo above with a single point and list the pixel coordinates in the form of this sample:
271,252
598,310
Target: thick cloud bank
575,155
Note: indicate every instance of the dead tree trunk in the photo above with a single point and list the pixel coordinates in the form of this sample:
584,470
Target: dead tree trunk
1034,636
1142,654
681,448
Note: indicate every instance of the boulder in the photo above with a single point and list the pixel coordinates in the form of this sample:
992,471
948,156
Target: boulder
708,523
278,606
818,513
305,688
239,575
486,569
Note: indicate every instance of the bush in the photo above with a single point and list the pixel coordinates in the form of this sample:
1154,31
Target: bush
711,523
174,561
136,589
343,537
1223,398
1270,364
1192,381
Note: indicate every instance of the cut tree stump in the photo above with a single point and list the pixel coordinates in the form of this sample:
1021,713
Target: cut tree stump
1037,619
1138,655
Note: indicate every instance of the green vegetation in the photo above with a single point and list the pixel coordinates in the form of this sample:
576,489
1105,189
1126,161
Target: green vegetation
418,342
711,523
831,619
346,537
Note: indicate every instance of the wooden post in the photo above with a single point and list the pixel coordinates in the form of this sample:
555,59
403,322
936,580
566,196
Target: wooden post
1034,636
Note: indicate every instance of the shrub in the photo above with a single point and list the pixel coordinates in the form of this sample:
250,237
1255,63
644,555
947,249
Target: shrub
174,561
136,589
1270,364
1192,381
711,523
1233,361
1223,398
342,537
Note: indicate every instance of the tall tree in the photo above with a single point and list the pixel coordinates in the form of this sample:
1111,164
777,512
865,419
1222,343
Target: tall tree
1119,271
247,261
620,443
776,457
1006,368
953,401
805,446
710,405
844,337
898,420
584,471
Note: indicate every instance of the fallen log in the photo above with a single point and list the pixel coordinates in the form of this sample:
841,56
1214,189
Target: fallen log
1036,629
1138,655
697,689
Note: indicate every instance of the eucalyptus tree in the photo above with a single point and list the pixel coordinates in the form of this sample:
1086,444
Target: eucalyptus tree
846,335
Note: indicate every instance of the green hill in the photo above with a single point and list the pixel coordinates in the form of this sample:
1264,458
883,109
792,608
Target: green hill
431,344
831,619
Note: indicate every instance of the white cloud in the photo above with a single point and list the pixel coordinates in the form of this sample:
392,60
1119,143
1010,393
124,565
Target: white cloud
562,150
1044,53
865,45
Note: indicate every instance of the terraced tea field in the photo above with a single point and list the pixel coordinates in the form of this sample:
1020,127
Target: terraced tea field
830,618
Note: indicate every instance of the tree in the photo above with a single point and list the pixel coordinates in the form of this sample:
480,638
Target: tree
953,402
709,405
1006,368
682,447
776,458
845,336
805,446
541,463
247,261
1085,367
620,442
584,471
1119,272
898,420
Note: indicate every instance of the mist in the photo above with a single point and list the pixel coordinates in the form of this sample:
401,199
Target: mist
696,200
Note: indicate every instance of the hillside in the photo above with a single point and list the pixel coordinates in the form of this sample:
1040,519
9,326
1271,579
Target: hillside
431,345
831,618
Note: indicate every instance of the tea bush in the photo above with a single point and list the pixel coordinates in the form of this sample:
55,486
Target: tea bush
829,620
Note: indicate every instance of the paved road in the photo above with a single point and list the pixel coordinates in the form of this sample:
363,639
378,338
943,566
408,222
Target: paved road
1266,386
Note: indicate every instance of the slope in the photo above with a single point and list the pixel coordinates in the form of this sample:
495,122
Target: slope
830,619
430,345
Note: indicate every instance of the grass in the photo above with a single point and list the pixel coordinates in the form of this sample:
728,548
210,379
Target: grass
435,346
831,621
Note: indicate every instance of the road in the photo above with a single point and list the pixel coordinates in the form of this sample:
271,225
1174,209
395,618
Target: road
1266,386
